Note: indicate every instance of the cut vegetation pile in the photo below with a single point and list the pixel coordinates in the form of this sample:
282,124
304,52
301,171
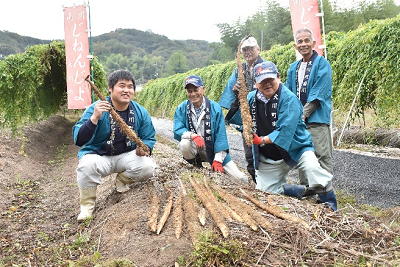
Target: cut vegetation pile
279,230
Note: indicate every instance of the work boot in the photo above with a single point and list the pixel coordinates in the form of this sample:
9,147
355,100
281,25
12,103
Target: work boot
298,191
195,162
329,199
122,182
87,199
293,190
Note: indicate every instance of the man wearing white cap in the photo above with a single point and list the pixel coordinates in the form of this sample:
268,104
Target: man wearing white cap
229,98
281,141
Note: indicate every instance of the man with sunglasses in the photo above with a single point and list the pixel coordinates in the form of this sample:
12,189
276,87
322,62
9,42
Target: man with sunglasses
310,79
229,98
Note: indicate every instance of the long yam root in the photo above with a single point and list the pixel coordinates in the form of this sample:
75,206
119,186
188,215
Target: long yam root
217,204
254,214
191,219
278,212
121,123
275,210
167,211
152,213
178,215
219,220
244,105
231,212
235,204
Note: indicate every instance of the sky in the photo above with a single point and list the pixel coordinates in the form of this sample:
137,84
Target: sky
176,19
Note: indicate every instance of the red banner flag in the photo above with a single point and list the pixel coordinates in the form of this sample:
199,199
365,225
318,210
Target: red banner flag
77,52
304,15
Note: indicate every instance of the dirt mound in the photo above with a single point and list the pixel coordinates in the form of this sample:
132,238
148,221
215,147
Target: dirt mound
362,135
40,202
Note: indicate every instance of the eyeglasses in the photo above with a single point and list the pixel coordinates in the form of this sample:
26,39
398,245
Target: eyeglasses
305,40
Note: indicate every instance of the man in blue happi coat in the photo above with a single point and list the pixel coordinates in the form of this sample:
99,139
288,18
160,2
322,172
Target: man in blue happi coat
106,149
281,141
310,78
199,126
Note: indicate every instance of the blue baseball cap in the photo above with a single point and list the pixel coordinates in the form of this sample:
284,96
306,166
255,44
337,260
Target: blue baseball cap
195,80
265,70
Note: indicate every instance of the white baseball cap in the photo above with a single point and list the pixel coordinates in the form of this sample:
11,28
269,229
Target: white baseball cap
249,42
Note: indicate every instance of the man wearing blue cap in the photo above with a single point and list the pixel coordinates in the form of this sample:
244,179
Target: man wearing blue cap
199,126
281,141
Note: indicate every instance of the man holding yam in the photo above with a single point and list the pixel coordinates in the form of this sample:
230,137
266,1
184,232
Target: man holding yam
105,144
281,141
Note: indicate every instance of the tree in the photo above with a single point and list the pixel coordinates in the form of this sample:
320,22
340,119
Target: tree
231,35
177,63
271,25
275,22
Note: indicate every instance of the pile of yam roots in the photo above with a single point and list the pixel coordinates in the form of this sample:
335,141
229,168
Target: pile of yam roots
221,205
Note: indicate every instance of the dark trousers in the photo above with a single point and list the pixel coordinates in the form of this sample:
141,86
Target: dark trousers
248,152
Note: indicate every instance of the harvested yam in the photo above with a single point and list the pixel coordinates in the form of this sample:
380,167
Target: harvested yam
121,123
152,214
242,210
202,216
167,211
178,215
244,105
231,212
191,219
217,204
219,220
275,210
225,209
278,212
182,186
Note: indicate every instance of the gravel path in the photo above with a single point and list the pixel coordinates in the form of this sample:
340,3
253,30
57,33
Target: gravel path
372,178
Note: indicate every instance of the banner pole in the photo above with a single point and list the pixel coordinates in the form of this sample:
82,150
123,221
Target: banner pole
323,30
91,51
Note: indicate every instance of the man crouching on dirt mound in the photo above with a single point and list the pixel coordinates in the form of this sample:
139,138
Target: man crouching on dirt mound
281,141
199,126
105,149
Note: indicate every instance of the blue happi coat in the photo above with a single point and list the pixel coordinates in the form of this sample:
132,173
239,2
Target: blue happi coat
319,87
143,128
290,133
219,139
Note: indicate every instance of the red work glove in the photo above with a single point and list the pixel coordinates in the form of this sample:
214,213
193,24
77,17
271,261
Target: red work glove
217,167
236,88
257,140
199,141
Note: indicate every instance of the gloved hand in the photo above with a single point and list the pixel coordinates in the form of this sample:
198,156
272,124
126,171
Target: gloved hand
257,140
217,167
236,88
198,140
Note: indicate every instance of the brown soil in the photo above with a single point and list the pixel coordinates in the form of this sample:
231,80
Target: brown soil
39,203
